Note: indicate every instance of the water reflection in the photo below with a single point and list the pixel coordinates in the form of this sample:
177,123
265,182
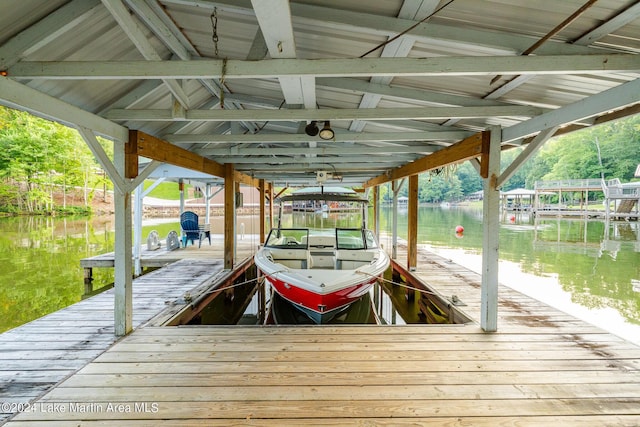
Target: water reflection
40,264
587,263
383,304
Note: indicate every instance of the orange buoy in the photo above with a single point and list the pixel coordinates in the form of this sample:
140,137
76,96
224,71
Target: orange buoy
459,229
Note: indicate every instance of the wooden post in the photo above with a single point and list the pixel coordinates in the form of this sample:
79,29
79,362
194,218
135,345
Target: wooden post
181,189
395,187
412,232
137,232
229,216
490,231
207,204
123,300
271,205
376,211
262,189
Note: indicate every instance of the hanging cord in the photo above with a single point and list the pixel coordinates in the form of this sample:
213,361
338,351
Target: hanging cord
222,77
265,123
214,30
397,36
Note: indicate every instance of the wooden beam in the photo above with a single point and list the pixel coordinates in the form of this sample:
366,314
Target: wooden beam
466,149
288,115
157,149
484,158
229,215
151,147
412,232
241,178
333,67
131,156
525,155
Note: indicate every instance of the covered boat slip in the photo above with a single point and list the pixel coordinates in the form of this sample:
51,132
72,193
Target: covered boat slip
543,367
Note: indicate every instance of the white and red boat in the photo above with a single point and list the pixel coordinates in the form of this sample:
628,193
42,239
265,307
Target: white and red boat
322,271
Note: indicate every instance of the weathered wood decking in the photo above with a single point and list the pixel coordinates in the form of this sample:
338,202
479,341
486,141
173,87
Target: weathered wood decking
36,356
542,367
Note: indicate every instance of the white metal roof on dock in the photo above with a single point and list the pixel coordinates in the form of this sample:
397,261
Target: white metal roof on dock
237,81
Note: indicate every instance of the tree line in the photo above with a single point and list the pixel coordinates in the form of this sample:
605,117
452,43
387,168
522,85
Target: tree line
39,160
610,150
43,164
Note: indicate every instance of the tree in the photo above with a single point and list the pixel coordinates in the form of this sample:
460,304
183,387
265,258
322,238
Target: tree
38,158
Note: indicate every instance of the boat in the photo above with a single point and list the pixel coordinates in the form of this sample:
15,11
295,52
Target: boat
322,271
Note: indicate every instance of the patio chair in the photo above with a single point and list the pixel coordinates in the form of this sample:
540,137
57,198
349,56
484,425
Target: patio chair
191,230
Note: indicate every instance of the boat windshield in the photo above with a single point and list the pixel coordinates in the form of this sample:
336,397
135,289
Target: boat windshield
349,238
290,238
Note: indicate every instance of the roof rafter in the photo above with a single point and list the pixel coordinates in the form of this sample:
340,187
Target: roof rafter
274,18
336,149
419,113
47,29
400,47
365,67
390,26
453,135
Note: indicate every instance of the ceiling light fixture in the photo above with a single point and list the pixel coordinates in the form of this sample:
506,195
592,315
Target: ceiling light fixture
312,129
327,132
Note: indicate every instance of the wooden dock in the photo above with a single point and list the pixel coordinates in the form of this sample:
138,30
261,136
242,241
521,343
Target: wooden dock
543,367
36,356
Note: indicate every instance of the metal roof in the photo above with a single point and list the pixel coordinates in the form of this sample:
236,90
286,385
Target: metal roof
155,66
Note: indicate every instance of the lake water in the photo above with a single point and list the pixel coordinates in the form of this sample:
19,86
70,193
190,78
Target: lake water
575,265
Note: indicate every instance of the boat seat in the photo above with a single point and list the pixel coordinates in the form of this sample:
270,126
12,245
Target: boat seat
322,242
322,260
350,260
292,258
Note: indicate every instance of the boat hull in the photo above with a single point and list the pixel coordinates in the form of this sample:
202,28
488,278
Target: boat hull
321,308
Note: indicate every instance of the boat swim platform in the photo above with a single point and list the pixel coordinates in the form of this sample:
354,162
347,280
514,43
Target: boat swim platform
543,367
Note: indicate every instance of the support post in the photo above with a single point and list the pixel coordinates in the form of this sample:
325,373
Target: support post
262,189
123,301
137,233
181,189
395,187
229,216
490,231
207,204
412,232
376,210
271,205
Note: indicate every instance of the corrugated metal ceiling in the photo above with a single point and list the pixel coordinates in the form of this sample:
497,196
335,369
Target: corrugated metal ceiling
173,30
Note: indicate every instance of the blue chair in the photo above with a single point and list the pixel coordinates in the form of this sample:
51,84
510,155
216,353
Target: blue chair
191,230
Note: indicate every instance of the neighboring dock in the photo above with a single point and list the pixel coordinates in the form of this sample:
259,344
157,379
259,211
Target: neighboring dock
542,367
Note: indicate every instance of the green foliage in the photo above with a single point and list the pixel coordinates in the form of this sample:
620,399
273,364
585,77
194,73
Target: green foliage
579,155
165,190
38,159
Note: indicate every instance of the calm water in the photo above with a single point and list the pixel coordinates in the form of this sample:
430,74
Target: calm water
576,265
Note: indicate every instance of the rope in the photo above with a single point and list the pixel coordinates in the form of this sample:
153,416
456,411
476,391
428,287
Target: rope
213,291
402,285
